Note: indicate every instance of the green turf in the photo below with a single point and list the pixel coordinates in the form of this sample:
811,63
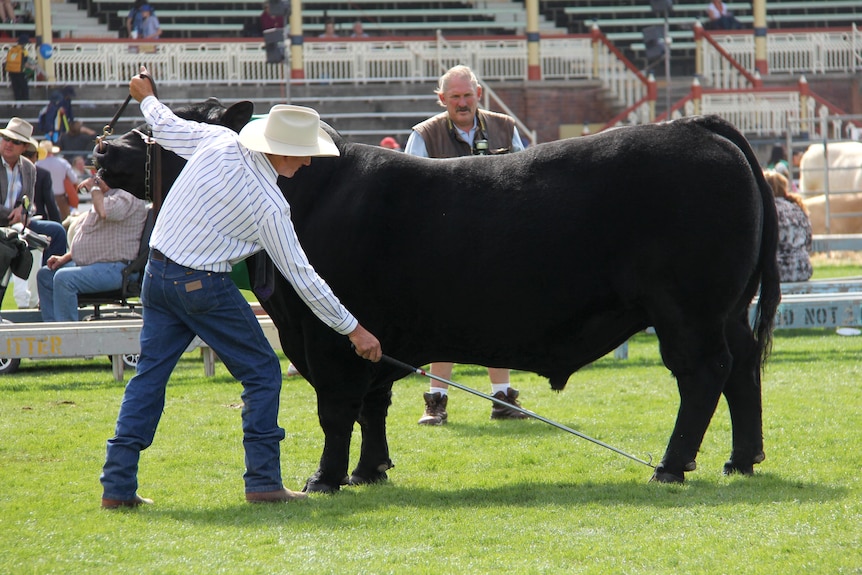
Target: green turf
475,496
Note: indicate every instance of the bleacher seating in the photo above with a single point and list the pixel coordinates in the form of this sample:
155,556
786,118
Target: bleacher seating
229,18
623,22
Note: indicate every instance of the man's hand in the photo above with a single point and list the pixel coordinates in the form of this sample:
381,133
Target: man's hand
366,345
15,215
140,87
56,262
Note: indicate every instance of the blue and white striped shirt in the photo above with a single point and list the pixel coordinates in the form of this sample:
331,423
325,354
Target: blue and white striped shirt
225,206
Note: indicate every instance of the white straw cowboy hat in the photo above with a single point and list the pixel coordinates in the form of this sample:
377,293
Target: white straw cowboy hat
288,131
48,147
21,130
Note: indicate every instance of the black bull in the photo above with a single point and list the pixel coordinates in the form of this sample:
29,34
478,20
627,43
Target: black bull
543,261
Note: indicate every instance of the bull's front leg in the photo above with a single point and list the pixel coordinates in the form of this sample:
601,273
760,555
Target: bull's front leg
336,414
374,457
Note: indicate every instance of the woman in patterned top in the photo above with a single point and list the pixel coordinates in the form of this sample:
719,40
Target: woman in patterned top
794,231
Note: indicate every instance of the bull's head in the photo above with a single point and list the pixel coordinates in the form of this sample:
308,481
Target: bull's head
123,161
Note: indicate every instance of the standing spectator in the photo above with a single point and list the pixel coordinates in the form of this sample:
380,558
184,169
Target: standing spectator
358,32
794,231
58,114
18,63
720,17
133,20
79,138
107,237
329,30
7,12
150,27
43,197
268,21
187,288
61,170
464,130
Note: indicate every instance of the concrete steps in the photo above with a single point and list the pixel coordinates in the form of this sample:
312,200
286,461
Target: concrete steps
76,22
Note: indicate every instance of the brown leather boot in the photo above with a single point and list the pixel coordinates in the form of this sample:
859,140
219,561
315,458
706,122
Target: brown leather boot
435,409
503,412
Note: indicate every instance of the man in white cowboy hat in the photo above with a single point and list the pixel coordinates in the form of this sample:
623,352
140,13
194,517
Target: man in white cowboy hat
61,170
18,180
224,206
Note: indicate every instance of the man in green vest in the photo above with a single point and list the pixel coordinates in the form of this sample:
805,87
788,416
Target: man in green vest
464,130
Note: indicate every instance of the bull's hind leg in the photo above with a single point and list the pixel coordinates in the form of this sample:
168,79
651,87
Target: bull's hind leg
374,456
701,362
743,394
336,414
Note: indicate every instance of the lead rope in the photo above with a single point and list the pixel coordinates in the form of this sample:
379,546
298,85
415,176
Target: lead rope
151,183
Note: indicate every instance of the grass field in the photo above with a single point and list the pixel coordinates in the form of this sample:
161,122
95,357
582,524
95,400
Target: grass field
475,496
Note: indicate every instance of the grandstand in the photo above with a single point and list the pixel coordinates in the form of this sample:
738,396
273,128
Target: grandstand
623,21
229,18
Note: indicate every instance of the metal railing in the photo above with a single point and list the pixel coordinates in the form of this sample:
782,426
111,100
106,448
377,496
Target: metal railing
725,88
793,53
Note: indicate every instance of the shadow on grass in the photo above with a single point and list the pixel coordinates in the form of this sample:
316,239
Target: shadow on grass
766,489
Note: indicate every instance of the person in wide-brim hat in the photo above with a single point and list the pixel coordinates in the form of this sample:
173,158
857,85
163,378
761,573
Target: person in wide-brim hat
288,131
225,206
19,130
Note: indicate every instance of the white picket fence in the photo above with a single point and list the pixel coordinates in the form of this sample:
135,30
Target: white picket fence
495,59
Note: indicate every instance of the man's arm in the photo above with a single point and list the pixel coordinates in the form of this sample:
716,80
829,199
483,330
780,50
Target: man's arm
416,145
170,131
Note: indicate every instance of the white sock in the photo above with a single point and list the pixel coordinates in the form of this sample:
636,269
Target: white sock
440,390
495,387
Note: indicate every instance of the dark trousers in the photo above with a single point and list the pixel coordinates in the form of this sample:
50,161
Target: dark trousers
20,87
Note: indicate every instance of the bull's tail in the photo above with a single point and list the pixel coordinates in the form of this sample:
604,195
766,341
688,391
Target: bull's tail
767,267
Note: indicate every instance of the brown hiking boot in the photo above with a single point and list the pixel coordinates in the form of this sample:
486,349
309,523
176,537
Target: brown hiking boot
503,412
435,409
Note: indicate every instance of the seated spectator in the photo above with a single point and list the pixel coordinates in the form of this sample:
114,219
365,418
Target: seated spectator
150,27
794,231
329,30
390,142
25,291
268,21
7,11
79,138
358,32
720,17
82,171
108,237
17,136
133,20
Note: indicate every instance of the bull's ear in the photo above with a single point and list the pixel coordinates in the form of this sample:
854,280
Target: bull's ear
238,115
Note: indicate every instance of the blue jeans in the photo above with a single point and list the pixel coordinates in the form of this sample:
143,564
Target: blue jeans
59,289
56,232
179,302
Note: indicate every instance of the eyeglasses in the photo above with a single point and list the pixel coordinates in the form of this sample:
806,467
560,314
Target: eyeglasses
13,140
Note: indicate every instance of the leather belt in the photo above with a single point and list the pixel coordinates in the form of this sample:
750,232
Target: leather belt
159,256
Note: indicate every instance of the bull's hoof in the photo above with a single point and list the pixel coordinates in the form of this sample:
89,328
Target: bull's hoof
316,485
662,475
374,476
356,479
733,466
